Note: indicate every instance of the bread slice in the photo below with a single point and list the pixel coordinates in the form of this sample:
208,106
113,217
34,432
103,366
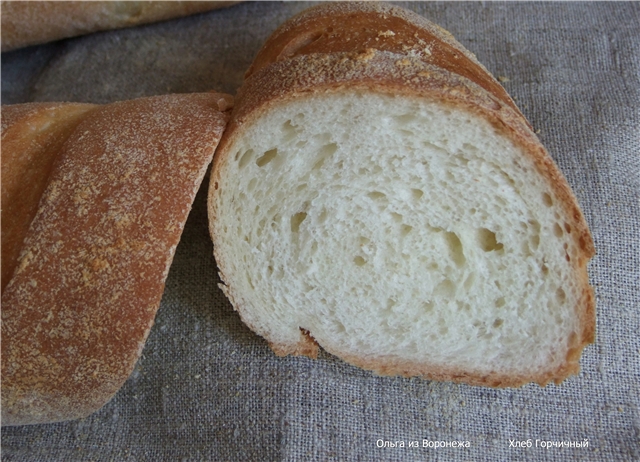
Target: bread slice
118,182
377,193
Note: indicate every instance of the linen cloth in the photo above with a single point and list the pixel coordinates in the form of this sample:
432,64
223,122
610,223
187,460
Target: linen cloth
207,388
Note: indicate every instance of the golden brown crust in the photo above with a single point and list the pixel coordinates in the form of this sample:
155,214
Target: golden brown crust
307,346
375,26
91,273
33,22
32,135
292,66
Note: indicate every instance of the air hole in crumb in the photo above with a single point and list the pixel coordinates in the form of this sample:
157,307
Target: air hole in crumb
445,289
561,295
405,119
289,130
557,230
377,195
405,229
455,248
323,216
487,240
468,283
567,227
544,269
500,302
267,157
215,185
547,200
535,241
346,109
325,152
470,147
296,221
417,193
359,261
535,225
246,158
396,217
498,322
461,160
428,306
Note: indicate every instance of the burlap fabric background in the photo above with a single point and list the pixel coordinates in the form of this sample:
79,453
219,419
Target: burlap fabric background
207,388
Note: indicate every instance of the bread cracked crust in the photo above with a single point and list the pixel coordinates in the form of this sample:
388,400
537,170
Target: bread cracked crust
83,297
311,55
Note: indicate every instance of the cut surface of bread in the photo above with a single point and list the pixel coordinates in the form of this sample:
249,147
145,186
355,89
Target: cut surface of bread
93,261
403,219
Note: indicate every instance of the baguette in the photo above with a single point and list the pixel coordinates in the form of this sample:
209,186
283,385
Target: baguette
117,183
32,135
379,194
27,23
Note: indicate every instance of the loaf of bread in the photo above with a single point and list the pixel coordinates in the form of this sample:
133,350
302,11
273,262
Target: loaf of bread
34,22
94,200
378,193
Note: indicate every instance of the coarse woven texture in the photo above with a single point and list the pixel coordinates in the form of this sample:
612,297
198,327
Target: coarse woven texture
207,388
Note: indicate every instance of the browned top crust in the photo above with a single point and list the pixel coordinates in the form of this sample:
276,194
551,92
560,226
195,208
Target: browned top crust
358,27
32,22
93,265
32,135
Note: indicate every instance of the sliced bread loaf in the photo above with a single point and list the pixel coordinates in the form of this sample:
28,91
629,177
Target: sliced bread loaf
378,193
